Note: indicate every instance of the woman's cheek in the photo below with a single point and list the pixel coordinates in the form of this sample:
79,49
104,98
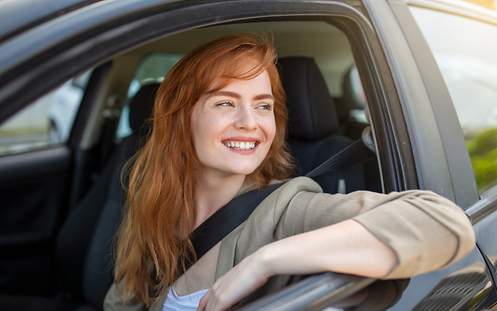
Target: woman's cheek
271,132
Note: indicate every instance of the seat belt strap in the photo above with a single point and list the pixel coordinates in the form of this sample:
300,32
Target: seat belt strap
227,218
353,154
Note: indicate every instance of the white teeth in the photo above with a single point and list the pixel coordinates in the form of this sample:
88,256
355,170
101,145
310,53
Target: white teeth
242,145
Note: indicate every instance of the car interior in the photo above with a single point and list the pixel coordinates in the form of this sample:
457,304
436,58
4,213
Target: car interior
327,112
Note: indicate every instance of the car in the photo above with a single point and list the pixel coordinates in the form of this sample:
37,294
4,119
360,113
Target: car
414,80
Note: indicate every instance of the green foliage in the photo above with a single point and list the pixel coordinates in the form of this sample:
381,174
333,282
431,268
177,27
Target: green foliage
482,148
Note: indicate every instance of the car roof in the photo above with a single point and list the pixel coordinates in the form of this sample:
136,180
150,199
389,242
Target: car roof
17,16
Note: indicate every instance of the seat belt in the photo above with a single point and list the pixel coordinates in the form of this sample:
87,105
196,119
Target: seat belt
227,218
355,153
230,216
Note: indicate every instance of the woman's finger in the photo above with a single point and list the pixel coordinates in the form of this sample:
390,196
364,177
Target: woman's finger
203,302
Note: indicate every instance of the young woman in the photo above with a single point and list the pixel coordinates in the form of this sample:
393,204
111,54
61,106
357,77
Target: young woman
218,131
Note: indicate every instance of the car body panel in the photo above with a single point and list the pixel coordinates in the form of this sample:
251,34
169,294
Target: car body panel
483,215
18,16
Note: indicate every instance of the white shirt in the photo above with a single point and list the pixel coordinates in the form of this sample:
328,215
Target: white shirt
183,303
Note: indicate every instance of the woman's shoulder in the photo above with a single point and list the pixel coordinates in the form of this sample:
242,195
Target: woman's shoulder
283,195
293,186
274,205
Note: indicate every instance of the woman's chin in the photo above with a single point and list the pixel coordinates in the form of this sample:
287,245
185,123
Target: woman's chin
242,172
242,169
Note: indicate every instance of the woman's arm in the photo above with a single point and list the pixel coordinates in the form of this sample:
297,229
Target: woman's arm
424,230
345,247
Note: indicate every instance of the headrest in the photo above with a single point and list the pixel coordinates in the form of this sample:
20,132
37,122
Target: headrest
141,106
353,93
311,111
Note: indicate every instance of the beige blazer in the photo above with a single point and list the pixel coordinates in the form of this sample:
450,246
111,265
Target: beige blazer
425,231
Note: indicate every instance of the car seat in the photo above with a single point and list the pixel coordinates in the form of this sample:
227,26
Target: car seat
97,264
313,127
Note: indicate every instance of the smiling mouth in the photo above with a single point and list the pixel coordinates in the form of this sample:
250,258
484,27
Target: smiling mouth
241,145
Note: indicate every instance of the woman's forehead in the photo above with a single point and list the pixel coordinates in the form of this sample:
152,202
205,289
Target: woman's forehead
260,83
259,80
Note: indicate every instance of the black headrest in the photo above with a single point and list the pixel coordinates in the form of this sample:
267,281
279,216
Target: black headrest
141,106
311,111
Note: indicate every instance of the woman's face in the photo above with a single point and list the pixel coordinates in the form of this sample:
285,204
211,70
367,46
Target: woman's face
234,127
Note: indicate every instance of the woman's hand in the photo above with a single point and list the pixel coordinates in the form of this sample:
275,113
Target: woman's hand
241,280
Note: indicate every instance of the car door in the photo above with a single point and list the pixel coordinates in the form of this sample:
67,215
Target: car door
38,136
35,174
63,49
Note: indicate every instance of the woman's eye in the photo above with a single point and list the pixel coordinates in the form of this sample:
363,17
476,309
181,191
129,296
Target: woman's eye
225,104
267,107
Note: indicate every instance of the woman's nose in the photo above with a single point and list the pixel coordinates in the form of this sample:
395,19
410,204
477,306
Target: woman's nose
246,119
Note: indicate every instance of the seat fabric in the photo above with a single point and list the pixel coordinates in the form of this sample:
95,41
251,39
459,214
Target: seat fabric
99,261
314,129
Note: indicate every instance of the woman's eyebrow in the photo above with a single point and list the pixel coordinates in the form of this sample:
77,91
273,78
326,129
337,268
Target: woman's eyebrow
224,93
263,96
238,96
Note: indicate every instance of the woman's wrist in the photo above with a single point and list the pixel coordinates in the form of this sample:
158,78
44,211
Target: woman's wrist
264,259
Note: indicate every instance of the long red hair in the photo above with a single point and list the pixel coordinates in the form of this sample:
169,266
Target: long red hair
153,238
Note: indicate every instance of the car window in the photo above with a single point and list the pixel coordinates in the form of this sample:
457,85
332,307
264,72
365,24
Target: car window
152,68
466,53
45,122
